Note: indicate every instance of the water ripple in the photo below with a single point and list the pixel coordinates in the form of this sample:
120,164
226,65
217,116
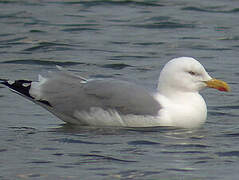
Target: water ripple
128,57
3,150
184,152
103,157
25,3
203,47
231,134
42,62
40,162
88,4
118,66
12,15
50,46
14,41
210,10
228,154
189,146
135,174
74,141
216,113
79,29
143,142
164,25
227,107
180,169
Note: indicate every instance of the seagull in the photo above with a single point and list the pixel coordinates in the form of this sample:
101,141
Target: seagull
111,102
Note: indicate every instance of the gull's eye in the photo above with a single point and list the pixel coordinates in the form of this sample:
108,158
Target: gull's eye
192,73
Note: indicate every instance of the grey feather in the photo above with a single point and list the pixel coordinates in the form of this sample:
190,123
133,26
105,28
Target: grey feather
68,93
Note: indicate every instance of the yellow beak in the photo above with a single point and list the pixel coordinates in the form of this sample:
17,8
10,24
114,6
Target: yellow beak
218,84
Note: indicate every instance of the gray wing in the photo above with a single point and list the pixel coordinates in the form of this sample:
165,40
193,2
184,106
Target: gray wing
125,97
66,94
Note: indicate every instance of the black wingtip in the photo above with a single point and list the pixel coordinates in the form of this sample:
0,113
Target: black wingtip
22,87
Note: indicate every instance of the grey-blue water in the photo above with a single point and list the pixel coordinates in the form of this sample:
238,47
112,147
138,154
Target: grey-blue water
129,39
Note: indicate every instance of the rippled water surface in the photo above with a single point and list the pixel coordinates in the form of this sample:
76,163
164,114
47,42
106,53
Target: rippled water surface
129,39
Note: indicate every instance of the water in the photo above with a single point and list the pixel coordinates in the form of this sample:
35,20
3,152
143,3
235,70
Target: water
121,39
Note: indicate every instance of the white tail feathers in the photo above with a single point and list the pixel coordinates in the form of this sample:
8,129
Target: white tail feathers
41,79
35,90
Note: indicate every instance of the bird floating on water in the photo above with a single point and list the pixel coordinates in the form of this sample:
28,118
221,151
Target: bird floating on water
111,102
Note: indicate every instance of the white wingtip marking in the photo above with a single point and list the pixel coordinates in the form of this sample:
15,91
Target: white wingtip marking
26,84
59,67
10,82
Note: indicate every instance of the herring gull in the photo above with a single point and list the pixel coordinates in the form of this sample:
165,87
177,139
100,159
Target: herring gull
111,102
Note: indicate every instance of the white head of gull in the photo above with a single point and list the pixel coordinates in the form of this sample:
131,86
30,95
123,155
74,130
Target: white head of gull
178,92
110,102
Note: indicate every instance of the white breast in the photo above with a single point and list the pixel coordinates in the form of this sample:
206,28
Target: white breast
188,110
